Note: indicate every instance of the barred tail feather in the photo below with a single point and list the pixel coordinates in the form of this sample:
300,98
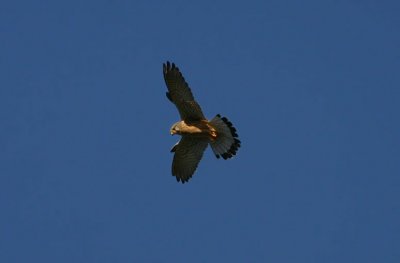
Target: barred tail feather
227,143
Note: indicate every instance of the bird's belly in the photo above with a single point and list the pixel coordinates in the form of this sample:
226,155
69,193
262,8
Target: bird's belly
199,129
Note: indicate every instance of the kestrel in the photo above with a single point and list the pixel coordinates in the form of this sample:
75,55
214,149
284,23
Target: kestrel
196,131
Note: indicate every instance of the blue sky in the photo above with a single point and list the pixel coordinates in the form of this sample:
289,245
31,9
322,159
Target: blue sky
313,88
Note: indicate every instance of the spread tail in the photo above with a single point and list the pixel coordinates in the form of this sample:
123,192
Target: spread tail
226,143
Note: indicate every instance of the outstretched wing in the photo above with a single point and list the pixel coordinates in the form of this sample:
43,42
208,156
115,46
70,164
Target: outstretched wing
180,94
188,153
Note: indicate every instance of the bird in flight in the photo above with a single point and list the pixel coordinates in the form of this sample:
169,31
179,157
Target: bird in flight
197,132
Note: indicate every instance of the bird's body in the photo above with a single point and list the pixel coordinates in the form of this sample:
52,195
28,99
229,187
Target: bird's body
197,132
201,129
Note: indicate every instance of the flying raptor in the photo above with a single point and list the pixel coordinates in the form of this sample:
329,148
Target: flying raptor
196,131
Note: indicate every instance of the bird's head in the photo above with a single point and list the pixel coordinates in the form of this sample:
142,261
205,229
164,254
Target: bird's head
175,129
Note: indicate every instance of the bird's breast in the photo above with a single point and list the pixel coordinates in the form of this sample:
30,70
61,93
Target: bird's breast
200,128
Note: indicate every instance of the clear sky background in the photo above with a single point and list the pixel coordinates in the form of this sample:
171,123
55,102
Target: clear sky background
313,88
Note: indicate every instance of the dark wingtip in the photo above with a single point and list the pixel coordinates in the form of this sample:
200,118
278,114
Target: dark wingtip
167,66
181,179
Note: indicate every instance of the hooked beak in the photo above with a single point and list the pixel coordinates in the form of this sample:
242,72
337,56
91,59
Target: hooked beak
172,132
